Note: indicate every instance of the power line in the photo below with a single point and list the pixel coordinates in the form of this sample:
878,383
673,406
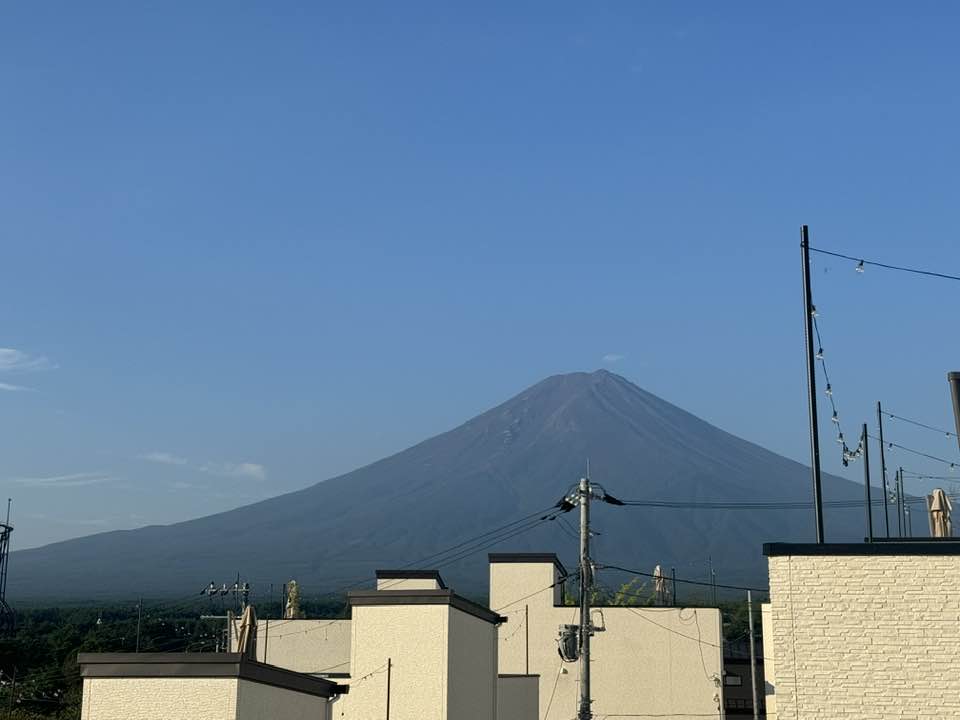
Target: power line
890,445
688,582
920,424
862,261
722,505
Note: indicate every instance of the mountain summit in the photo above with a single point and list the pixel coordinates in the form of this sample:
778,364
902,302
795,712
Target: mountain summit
511,461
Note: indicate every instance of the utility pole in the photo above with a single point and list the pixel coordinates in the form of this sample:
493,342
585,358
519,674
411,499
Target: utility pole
139,616
808,310
389,673
586,584
899,487
753,659
866,482
526,632
581,495
883,471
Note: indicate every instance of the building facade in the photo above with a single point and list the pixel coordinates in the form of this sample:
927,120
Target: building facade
863,631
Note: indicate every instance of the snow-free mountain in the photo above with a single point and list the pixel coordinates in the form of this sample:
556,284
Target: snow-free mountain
509,462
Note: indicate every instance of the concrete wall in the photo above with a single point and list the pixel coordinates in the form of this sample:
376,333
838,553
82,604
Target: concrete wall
517,697
769,662
256,701
159,699
649,661
471,668
865,636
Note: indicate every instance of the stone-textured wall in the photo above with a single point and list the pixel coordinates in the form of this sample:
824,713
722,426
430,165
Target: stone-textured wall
870,637
159,699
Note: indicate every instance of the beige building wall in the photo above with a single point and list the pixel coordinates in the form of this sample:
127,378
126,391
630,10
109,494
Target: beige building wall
159,699
407,584
870,635
517,697
769,662
651,661
307,646
256,701
414,638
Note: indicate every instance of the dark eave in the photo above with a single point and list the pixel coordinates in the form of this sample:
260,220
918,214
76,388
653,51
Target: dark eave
360,598
209,665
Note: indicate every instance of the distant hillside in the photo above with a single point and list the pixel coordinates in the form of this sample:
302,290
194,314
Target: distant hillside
510,461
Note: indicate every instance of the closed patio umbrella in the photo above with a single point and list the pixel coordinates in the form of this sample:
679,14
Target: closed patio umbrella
246,642
941,524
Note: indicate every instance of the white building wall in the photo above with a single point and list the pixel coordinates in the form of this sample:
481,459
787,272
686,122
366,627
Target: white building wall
769,662
651,661
159,699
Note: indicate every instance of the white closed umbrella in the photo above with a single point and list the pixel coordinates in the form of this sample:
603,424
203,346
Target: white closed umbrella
941,525
659,586
246,642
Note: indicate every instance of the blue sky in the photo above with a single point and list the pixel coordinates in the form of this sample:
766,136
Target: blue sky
247,248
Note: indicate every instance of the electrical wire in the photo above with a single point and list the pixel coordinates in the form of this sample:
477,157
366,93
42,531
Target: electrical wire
688,582
770,505
890,445
948,433
862,261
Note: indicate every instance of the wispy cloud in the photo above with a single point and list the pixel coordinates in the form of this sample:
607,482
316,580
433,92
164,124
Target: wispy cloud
250,470
7,387
612,358
164,458
73,480
12,360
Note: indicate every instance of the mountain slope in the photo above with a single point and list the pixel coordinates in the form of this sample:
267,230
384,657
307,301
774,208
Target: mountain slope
510,461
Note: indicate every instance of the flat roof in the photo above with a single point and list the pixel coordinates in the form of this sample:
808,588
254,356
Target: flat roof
527,558
423,597
210,665
411,575
945,546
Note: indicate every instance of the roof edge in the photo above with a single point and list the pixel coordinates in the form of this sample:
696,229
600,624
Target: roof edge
527,558
211,665
373,598
915,547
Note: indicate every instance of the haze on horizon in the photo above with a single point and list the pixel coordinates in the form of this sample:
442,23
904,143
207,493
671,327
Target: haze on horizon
245,250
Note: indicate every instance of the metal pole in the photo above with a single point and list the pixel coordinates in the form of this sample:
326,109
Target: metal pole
900,518
713,580
673,576
906,509
584,712
866,483
883,471
526,632
811,382
139,615
389,673
753,659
